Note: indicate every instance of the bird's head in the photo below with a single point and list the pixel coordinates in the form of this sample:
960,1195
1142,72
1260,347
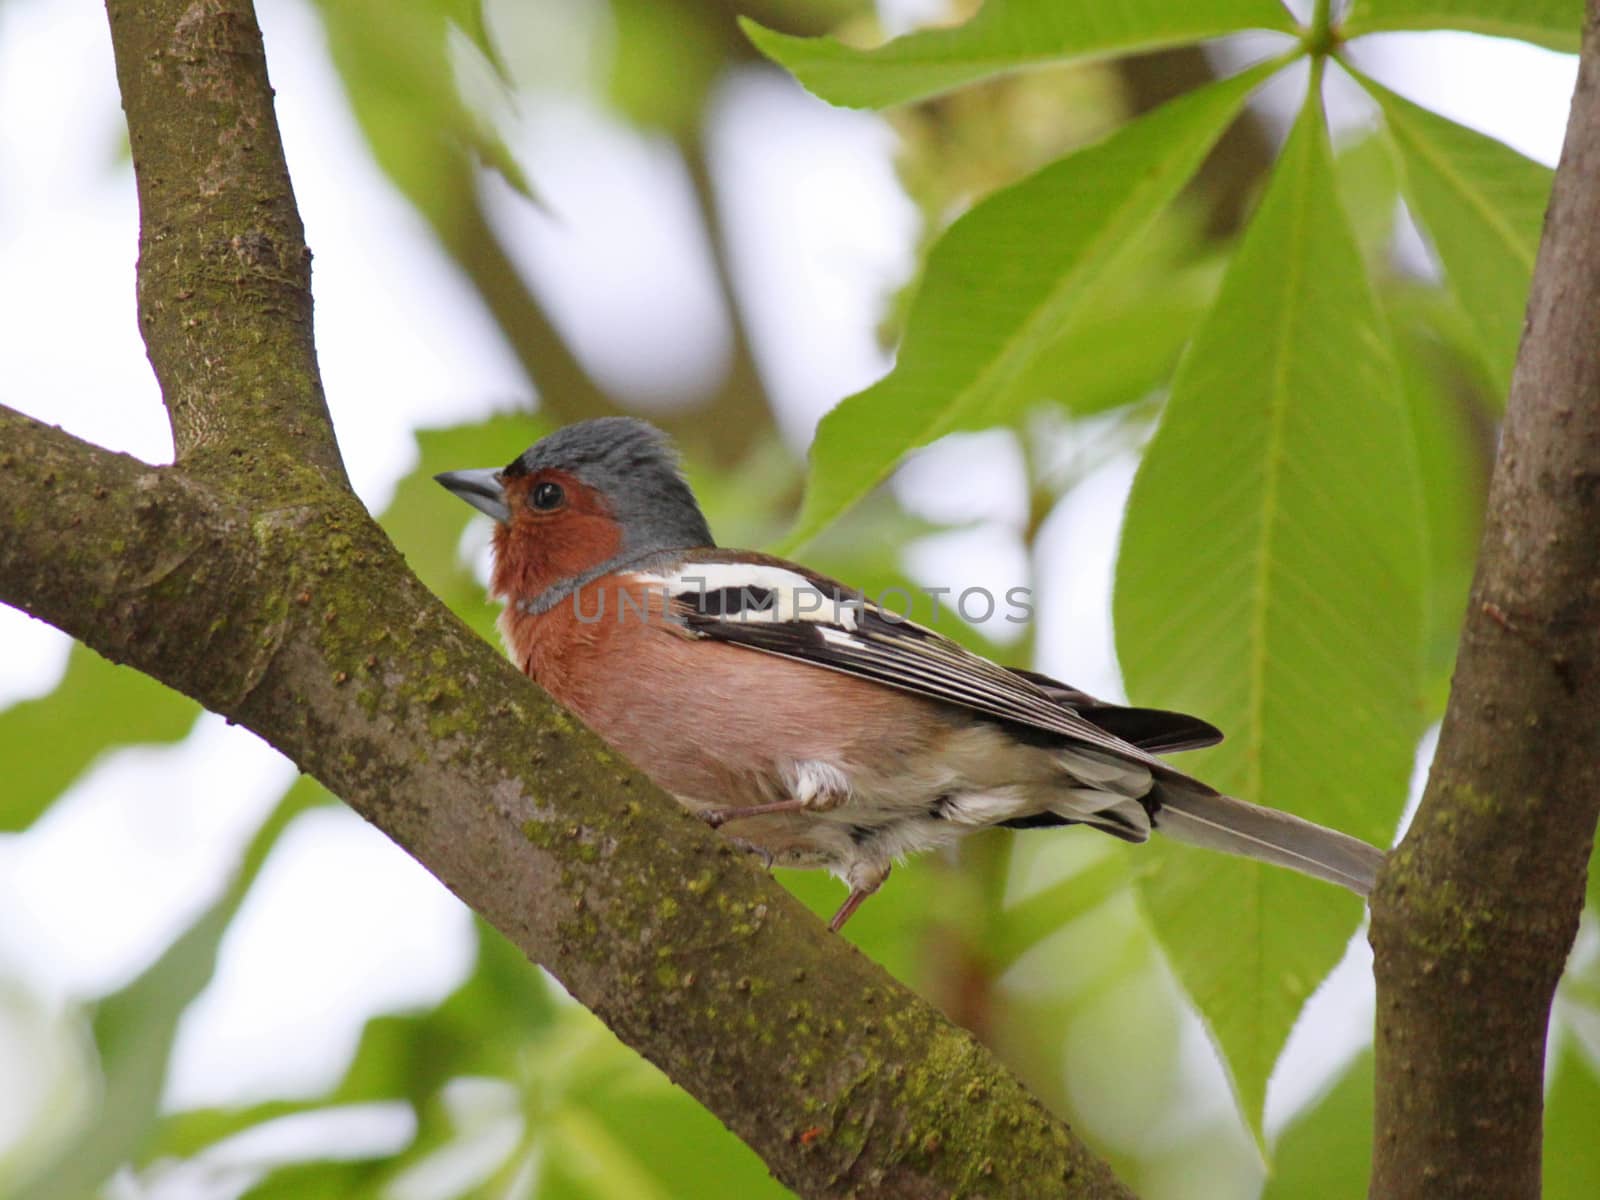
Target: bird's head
589,498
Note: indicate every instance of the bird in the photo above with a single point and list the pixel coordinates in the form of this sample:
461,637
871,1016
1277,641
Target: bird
812,726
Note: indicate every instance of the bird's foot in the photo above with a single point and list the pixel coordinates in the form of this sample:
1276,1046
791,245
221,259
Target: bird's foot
864,879
749,847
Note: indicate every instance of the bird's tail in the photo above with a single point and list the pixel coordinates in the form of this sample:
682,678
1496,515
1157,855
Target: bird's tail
1267,835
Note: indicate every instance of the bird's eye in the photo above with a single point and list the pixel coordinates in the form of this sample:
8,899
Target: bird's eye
546,496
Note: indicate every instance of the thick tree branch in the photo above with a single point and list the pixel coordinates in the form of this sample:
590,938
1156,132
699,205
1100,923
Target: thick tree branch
1473,919
249,577
224,272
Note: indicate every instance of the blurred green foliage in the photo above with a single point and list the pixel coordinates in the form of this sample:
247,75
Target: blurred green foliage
1327,1151
1274,455
1552,23
1004,35
1295,558
96,707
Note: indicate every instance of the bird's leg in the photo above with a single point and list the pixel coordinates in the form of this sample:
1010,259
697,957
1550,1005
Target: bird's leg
864,879
717,817
814,786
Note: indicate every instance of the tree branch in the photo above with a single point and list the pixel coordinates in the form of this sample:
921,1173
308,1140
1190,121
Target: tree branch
1475,915
738,414
249,577
224,272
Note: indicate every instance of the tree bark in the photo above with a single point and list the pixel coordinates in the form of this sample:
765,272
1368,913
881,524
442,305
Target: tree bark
1477,909
248,576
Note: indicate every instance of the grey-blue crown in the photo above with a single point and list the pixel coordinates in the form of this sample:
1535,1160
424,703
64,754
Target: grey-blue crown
633,464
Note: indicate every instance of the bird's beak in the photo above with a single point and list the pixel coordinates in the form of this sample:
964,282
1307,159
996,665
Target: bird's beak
480,488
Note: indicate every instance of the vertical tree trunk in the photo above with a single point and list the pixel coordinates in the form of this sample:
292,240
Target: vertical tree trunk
1476,912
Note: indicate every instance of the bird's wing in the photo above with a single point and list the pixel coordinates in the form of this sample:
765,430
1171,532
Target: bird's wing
1159,730
777,607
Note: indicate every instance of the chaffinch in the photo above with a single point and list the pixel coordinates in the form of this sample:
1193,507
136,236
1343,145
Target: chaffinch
822,729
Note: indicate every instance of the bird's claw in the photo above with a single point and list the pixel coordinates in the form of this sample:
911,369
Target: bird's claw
760,852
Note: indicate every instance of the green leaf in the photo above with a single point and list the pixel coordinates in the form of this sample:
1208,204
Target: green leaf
395,64
1121,352
482,1028
134,1028
1555,24
1454,451
1327,1149
320,1180
1444,379
1030,921
479,1029
187,1133
467,16
1004,284
96,707
1005,35
1270,580
1571,1151
1482,204
660,1137
666,59
1369,189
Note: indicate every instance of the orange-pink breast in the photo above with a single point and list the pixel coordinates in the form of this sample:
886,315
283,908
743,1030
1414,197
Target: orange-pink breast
713,724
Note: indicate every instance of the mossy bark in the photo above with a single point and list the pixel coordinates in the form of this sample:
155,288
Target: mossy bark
1477,909
248,576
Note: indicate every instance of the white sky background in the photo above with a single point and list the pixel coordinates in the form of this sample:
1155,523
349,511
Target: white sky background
343,925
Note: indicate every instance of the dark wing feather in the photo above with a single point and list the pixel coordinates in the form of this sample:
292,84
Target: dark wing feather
1157,730
872,644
